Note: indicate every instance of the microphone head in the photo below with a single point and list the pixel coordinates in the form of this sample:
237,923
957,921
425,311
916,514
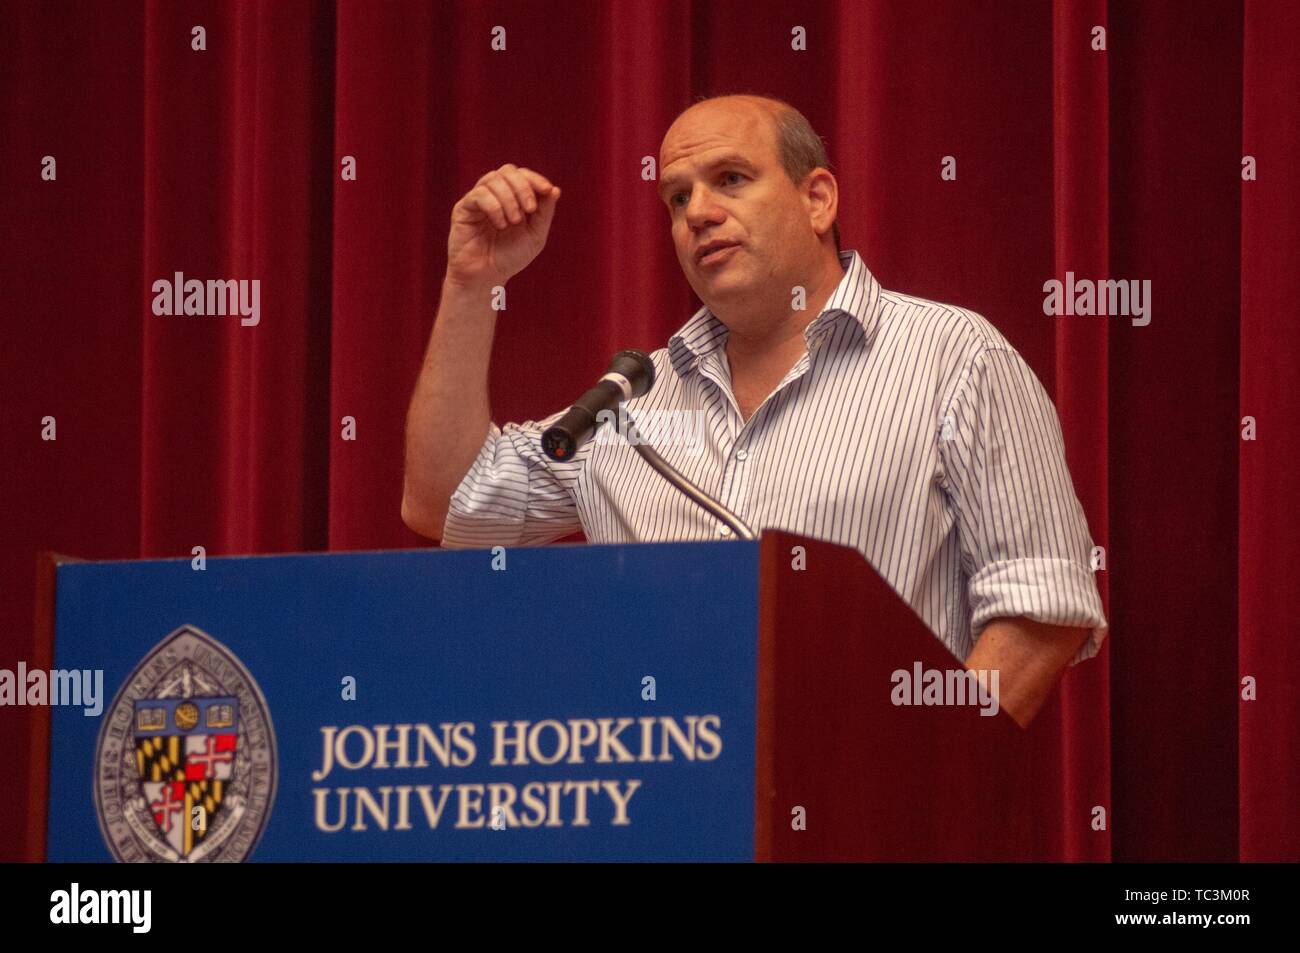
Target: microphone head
637,368
559,444
561,441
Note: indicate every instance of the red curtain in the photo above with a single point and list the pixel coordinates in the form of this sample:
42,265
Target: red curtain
1127,162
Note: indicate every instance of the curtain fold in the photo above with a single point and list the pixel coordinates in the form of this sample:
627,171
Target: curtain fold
1268,480
226,163
1175,132
1074,759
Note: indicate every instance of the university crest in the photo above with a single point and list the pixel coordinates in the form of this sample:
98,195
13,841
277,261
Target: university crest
186,762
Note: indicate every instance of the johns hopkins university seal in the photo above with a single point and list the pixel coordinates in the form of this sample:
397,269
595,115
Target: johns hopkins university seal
185,767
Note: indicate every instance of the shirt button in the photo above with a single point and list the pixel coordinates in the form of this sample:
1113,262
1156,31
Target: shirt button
741,454
724,530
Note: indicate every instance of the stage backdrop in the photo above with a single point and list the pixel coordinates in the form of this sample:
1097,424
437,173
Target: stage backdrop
1127,161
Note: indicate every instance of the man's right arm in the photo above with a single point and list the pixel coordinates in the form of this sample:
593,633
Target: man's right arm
449,414
497,229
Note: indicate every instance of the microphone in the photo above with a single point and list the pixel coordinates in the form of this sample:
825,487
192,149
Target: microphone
631,374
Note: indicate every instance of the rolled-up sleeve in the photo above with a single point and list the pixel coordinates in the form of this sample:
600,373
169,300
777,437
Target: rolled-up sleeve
514,495
1023,534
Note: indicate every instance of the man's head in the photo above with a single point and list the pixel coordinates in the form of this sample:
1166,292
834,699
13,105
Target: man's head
748,170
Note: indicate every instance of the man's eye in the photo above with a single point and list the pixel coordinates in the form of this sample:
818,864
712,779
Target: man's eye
672,199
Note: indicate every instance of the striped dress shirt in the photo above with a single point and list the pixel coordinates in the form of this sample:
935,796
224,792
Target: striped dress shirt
910,430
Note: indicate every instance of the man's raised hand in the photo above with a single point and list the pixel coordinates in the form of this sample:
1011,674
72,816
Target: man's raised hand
499,226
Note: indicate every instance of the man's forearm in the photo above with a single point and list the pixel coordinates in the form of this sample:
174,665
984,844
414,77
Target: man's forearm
449,413
1029,657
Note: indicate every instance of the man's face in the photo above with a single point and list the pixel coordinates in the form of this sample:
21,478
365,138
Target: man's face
722,181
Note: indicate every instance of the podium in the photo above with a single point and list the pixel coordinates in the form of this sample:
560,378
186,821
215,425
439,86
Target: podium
723,701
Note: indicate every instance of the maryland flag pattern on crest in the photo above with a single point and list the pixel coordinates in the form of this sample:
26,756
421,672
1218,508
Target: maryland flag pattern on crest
185,753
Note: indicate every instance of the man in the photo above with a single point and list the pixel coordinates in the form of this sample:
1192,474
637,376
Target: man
906,428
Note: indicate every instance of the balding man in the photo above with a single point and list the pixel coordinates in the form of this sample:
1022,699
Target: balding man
906,428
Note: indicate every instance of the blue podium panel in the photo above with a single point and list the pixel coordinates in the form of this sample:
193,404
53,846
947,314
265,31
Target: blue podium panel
549,703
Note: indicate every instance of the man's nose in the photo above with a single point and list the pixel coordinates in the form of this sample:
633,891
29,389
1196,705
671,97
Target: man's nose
702,210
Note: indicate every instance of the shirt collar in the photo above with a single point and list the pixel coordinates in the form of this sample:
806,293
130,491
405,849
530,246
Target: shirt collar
857,295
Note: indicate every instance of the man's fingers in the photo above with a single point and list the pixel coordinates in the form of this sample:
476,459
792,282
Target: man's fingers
523,190
504,194
483,199
540,183
530,187
507,194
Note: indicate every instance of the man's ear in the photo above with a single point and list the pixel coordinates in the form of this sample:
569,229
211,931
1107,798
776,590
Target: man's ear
822,193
